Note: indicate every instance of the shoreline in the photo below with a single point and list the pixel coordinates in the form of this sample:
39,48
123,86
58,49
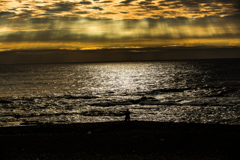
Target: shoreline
46,128
121,140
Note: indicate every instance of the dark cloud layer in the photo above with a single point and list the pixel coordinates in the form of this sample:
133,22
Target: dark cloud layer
87,29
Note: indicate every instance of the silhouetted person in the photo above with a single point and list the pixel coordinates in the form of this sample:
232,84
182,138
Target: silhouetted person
127,118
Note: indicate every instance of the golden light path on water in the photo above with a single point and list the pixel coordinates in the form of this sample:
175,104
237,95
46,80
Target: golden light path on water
170,91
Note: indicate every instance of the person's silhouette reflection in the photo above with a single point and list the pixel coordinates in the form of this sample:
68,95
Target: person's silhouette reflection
127,118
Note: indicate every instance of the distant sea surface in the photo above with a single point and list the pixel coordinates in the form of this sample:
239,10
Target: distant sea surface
192,91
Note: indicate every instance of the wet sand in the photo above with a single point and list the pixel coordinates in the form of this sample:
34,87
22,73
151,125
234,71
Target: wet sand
121,140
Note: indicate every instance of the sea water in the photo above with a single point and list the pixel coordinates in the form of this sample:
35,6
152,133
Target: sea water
192,91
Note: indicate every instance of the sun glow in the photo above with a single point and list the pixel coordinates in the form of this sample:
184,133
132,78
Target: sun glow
131,43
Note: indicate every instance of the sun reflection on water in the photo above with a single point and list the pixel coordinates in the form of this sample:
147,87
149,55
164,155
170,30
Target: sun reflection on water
181,91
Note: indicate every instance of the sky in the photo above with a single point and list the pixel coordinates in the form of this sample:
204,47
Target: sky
117,24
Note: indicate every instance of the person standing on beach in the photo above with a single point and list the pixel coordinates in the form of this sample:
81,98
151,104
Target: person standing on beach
127,118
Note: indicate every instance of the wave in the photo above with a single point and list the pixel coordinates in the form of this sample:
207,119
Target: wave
192,98
5,101
169,90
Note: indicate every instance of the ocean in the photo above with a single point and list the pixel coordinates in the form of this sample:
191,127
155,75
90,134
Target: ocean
191,91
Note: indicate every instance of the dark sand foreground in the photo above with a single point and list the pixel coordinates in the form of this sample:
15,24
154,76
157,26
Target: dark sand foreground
121,140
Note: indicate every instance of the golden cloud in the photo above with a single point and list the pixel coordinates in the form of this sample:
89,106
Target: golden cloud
116,9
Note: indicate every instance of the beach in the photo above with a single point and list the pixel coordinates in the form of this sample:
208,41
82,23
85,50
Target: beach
120,140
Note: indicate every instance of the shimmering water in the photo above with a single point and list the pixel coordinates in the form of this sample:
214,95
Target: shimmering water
199,91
